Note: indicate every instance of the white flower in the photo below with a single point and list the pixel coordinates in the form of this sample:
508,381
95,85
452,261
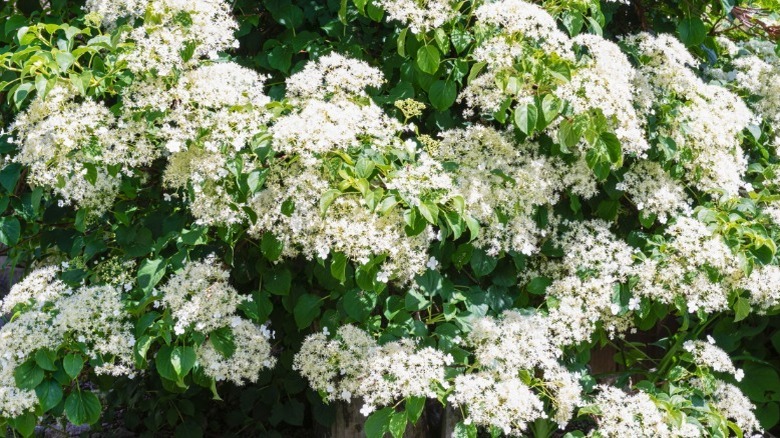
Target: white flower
382,276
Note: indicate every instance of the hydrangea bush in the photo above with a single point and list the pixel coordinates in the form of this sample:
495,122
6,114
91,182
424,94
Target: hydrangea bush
240,217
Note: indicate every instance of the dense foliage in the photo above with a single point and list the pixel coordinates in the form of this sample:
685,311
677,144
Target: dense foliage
234,216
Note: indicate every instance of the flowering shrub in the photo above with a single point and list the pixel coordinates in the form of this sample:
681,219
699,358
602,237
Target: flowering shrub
235,216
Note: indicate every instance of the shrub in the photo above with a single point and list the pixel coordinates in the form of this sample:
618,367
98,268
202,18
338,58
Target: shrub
234,216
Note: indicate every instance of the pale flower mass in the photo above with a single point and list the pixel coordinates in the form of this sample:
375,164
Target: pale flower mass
646,209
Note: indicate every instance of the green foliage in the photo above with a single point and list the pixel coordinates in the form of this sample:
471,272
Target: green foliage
40,48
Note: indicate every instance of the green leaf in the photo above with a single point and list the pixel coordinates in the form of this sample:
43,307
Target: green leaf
481,263
464,431
140,349
10,230
338,267
223,341
401,41
462,255
431,282
285,13
45,359
21,94
28,375
358,304
163,363
692,31
9,176
73,363
551,107
526,117
280,58
569,134
595,26
414,408
307,308
741,309
278,281
378,423
414,301
364,167
428,59
538,285
255,180
473,226
49,394
82,407
442,94
398,424
150,273
194,236
343,12
415,223
24,424
374,11
182,360
41,83
271,247
598,163
613,147
442,40
647,219
429,211
64,60
608,209
327,198
573,22
460,39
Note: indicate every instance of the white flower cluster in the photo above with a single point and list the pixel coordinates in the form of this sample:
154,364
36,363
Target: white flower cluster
623,415
521,28
420,15
96,317
200,299
526,19
502,184
29,332
717,163
606,85
110,12
755,69
348,225
92,319
507,403
504,349
210,114
730,401
70,142
764,286
214,105
422,177
247,361
335,76
39,287
687,260
353,365
654,191
594,263
332,110
709,355
174,33
332,113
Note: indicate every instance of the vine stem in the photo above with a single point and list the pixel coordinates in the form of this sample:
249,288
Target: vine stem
666,362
